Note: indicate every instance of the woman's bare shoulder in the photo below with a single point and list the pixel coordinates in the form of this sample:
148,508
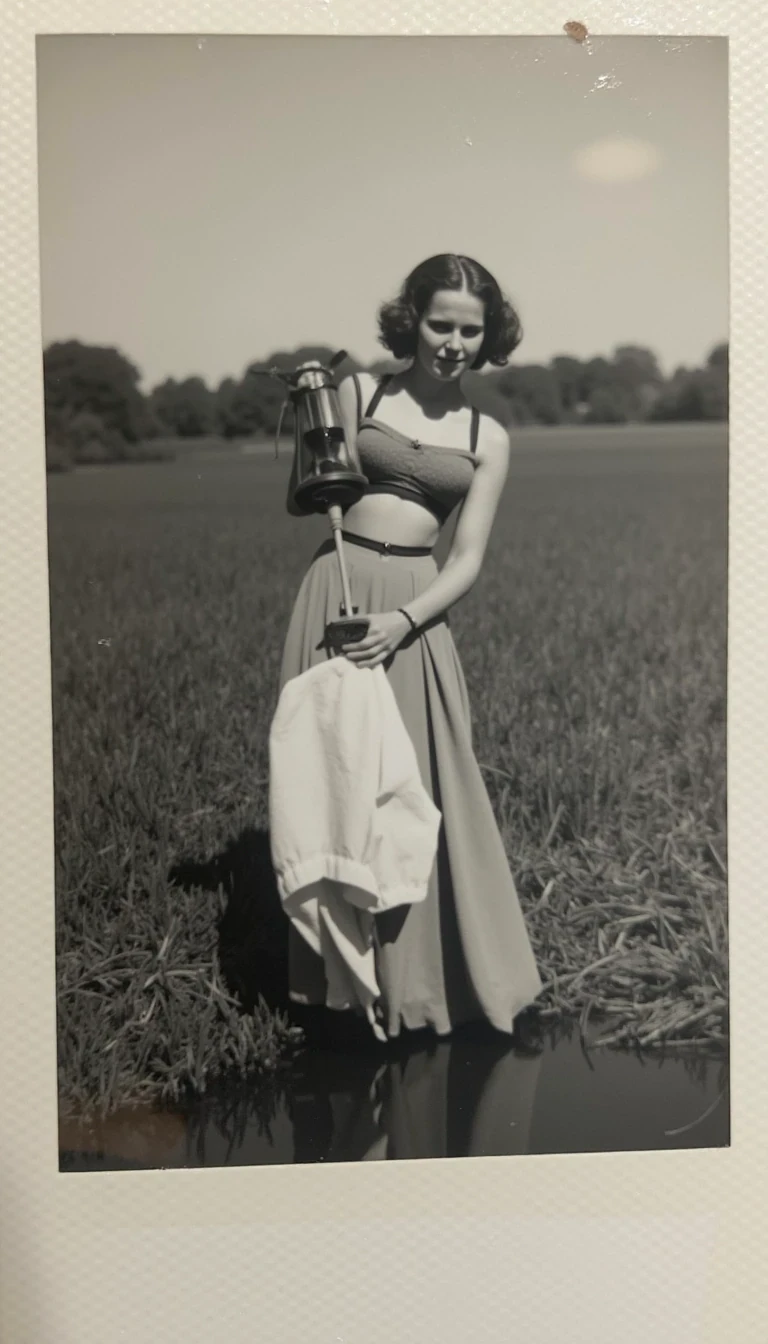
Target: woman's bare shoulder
365,381
358,388
493,431
358,379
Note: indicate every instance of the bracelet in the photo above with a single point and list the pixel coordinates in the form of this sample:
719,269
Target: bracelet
408,618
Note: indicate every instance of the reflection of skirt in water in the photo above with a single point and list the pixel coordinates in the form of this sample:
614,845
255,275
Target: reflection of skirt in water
462,954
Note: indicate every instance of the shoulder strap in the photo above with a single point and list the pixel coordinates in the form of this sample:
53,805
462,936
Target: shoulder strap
379,392
359,395
474,429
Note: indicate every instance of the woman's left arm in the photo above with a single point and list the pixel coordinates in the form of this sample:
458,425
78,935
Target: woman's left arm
464,562
473,529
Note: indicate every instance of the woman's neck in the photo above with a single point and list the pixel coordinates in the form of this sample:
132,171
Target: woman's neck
435,398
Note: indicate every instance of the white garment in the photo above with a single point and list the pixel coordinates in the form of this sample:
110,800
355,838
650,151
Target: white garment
353,830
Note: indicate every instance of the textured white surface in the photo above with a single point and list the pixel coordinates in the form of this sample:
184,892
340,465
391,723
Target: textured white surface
362,1284
595,1248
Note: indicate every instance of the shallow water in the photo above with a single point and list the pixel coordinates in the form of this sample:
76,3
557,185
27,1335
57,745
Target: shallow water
470,1096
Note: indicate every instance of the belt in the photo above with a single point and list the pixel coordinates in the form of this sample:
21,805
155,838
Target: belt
385,547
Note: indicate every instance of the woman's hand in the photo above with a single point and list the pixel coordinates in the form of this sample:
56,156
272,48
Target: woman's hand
386,631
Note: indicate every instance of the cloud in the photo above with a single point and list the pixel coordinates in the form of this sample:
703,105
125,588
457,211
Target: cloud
616,159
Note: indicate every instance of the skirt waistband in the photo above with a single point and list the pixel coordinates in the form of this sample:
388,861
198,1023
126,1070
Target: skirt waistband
385,547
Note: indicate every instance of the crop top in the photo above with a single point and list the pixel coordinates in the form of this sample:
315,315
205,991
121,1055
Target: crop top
437,478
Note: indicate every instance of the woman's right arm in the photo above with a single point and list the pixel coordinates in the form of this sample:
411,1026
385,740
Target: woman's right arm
351,406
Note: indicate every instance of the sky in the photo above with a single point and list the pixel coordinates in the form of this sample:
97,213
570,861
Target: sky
207,200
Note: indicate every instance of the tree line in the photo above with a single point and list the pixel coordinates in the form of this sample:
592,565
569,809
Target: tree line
96,411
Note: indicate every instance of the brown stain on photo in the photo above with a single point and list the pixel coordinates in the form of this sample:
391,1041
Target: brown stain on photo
576,31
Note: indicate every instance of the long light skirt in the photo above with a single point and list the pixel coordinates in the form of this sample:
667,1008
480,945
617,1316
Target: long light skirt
463,954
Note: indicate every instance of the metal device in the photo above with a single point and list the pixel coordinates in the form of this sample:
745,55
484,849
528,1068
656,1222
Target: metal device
327,470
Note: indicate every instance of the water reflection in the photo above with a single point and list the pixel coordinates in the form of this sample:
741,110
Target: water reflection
448,1098
470,1096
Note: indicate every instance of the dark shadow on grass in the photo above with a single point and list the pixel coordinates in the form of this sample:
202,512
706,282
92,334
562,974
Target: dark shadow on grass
253,939
253,931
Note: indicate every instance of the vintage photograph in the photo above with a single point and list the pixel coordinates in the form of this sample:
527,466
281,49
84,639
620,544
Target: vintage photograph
386,419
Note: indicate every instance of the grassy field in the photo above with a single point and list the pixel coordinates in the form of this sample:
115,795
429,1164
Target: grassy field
594,648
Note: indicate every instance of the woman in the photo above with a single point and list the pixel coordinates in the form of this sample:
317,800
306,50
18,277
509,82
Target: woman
463,954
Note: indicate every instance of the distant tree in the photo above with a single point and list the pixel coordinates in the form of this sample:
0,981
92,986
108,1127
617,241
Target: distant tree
718,357
606,406
716,383
596,373
679,399
603,399
636,372
83,437
569,375
531,392
274,402
611,391
58,448
57,456
186,408
693,394
224,398
92,440
714,392
638,364
256,401
98,379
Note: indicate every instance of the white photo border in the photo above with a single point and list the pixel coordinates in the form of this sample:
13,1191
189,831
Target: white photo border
594,1247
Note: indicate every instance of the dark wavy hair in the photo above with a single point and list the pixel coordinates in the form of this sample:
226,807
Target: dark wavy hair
399,318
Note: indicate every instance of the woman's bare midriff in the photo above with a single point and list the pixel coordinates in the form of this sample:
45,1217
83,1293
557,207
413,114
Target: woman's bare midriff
402,522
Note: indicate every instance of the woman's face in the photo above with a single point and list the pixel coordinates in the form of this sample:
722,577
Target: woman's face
450,334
